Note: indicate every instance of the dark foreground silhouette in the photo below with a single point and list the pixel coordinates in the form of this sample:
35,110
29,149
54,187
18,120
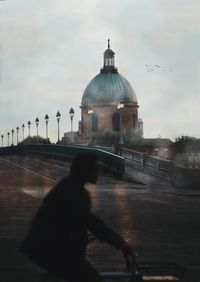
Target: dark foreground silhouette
58,235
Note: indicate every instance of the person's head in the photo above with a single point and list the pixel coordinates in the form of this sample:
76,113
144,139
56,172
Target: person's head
84,167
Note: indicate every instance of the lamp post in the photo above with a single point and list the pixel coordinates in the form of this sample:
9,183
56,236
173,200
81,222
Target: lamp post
58,115
8,134
46,120
23,126
29,128
120,107
17,130
71,114
12,137
2,140
37,122
90,112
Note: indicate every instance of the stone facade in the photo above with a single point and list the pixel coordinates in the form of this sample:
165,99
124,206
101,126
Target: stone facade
107,118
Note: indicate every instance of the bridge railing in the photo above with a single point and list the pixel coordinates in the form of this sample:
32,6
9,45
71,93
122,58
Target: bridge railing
109,160
178,175
10,150
147,163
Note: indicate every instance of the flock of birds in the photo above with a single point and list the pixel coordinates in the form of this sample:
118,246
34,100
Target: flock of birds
151,68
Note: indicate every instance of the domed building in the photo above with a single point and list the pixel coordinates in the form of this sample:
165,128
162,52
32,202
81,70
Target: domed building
102,98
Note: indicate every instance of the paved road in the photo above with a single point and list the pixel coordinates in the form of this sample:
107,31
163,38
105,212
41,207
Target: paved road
161,222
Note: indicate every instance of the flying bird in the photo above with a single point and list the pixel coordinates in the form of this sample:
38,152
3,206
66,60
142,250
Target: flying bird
155,67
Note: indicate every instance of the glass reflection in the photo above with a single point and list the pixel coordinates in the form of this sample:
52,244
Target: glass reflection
124,217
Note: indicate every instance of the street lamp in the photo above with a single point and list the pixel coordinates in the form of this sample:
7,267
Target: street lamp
2,140
46,120
58,115
37,122
71,114
12,131
29,127
17,130
90,112
120,107
8,134
23,126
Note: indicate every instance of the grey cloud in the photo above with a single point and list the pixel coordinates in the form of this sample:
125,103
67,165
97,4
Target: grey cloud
50,50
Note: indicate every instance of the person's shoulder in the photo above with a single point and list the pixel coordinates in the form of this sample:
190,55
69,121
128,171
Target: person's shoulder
63,181
58,190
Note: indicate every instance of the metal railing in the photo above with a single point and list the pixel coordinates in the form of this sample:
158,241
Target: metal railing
149,164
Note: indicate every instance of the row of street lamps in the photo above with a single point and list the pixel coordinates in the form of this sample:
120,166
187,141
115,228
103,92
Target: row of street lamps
46,118
120,107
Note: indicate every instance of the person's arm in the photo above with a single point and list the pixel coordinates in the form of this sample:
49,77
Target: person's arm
103,232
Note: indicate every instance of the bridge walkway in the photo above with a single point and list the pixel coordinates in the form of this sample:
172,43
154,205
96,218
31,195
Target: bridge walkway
162,225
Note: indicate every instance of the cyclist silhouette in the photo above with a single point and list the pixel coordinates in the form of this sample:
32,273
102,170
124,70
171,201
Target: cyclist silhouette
58,235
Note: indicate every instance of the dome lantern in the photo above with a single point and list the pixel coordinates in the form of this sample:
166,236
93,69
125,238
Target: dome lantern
109,60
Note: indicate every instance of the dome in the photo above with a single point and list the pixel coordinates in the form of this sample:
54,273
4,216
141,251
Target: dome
108,88
109,52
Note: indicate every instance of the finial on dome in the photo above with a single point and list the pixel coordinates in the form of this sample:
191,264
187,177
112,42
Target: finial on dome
108,43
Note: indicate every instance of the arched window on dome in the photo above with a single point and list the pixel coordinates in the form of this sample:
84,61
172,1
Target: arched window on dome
94,122
116,122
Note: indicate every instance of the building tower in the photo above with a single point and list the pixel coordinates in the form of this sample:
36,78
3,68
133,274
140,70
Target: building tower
102,95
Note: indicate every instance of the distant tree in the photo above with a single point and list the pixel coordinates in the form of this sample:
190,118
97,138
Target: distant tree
33,140
187,144
184,138
108,138
112,138
131,138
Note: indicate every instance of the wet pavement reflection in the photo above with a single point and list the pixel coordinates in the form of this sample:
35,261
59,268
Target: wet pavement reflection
161,225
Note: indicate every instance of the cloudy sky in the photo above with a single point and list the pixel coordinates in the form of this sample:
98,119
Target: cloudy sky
51,49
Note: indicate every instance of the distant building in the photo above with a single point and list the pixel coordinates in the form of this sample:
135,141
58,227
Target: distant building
158,147
99,112
185,151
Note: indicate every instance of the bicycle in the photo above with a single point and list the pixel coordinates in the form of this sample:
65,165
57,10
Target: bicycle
139,272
